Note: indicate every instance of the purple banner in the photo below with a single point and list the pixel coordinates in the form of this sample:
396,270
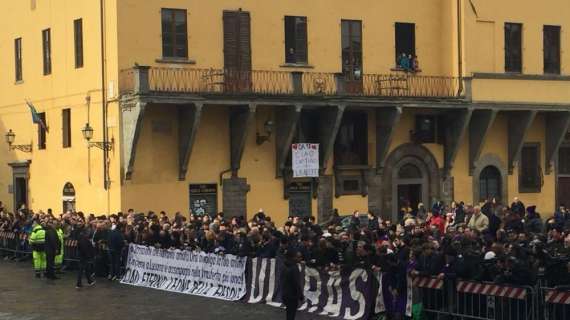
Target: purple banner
351,294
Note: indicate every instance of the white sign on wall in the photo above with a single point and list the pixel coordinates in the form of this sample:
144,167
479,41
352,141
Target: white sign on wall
305,160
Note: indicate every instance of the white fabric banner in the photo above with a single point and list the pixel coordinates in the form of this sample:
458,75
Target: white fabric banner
305,160
189,272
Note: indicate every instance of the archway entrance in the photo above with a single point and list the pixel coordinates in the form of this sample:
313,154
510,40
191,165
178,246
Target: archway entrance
490,184
411,175
410,185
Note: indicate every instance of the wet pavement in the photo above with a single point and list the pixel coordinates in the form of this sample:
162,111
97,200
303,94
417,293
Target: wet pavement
23,297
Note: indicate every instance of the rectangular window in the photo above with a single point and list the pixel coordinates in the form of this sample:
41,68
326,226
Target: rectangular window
46,46
351,146
296,39
513,47
405,42
18,59
529,168
352,49
174,33
426,129
551,35
66,127
42,132
564,160
78,37
204,199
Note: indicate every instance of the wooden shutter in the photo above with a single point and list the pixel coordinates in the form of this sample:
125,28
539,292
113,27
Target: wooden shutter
42,132
231,45
244,41
66,127
301,40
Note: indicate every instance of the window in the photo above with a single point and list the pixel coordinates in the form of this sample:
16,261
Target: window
174,34
530,179
42,132
513,47
405,41
66,127
425,129
551,35
296,39
349,184
351,147
46,45
490,184
352,49
564,160
18,59
78,37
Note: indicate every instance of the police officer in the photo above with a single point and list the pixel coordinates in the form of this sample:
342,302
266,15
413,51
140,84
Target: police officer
37,242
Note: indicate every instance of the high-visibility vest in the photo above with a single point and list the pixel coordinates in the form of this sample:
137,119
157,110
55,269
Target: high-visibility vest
37,238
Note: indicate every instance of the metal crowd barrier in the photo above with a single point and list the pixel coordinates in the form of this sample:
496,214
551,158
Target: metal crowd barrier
15,245
556,303
450,299
435,295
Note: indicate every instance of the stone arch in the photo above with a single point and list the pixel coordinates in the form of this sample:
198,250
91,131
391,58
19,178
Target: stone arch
484,162
423,159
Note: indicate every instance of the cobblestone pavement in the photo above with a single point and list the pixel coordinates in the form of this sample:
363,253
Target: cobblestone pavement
23,297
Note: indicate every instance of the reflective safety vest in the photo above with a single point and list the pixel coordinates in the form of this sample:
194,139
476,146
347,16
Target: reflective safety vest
38,238
60,236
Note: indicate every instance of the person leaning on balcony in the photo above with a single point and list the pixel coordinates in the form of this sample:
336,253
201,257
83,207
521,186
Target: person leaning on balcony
478,221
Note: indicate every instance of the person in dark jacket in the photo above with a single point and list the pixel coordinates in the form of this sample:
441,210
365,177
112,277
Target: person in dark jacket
86,253
52,248
115,244
292,292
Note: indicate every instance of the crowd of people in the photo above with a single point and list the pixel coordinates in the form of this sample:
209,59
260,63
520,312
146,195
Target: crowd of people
492,242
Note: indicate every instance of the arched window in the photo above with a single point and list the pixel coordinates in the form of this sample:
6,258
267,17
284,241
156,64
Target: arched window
490,183
409,171
68,197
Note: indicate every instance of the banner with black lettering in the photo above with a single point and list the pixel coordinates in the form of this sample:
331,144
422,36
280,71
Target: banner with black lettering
189,272
350,294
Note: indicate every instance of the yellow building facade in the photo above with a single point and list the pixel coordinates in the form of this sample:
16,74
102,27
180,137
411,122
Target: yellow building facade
194,105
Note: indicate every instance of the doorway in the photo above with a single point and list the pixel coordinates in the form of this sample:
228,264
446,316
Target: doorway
410,186
409,195
20,192
20,176
300,199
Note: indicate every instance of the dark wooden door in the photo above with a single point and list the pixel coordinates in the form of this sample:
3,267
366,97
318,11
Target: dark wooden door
300,204
237,51
564,191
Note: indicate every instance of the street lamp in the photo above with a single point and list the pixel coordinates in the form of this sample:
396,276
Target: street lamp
87,132
11,137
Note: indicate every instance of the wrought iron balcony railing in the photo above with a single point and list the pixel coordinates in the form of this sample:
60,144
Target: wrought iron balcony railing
143,80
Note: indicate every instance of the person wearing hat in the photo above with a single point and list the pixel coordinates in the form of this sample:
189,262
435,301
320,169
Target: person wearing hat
37,242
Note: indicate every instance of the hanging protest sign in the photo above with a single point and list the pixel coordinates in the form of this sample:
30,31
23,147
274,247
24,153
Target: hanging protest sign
305,160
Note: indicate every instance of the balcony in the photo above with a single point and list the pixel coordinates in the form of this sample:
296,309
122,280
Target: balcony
156,80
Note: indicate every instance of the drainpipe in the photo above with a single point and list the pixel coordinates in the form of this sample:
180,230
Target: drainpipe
104,96
459,47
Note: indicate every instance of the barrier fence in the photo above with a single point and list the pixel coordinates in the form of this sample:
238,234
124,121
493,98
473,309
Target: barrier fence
447,298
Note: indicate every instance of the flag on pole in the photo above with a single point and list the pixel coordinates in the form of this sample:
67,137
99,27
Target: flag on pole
36,117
